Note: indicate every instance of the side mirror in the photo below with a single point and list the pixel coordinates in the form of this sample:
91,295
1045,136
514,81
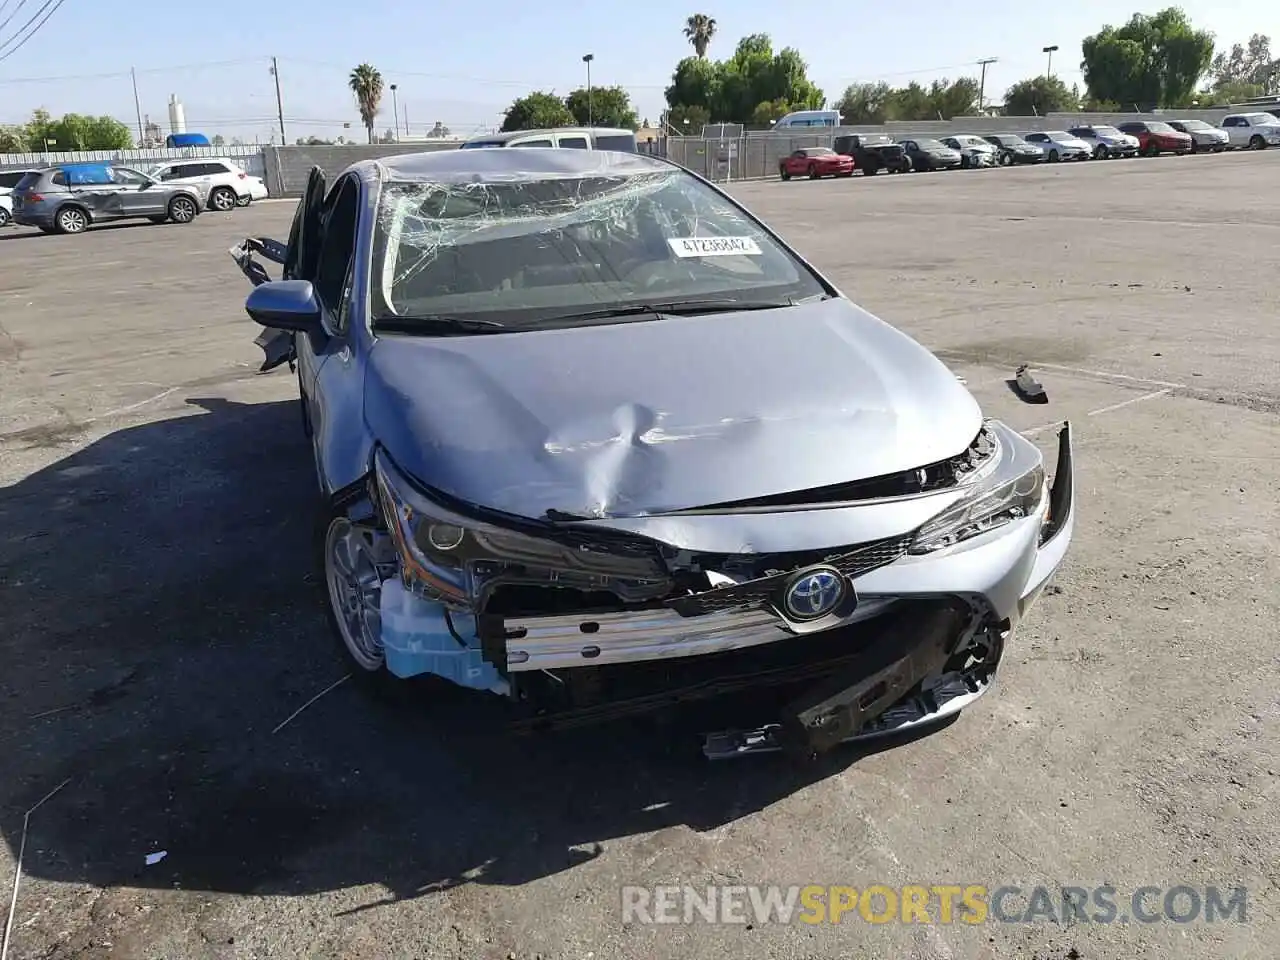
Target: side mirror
285,305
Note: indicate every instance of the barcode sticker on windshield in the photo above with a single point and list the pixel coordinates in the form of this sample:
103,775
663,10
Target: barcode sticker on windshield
714,247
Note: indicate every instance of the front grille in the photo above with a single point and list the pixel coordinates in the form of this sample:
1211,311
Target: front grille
762,591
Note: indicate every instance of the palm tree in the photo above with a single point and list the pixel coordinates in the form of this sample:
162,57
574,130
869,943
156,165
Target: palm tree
366,83
700,29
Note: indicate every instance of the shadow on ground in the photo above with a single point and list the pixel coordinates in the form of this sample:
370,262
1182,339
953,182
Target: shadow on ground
161,621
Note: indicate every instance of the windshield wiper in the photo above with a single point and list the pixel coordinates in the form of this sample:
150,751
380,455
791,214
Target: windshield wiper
674,308
439,325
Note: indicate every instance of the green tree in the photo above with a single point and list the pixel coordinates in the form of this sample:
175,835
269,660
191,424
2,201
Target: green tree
13,140
1151,61
608,107
1037,96
695,83
218,140
536,111
769,112
865,103
688,120
1232,91
911,102
953,99
699,29
39,129
1250,64
366,83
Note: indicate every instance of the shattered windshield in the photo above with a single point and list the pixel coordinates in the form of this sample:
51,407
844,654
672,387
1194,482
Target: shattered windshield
521,252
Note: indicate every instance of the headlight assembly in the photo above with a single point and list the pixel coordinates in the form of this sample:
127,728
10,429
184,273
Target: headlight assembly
1020,497
451,558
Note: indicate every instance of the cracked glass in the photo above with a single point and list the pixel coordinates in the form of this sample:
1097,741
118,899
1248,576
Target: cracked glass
522,249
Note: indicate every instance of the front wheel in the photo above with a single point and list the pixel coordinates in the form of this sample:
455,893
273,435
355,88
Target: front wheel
4,217
813,171
1053,156
1006,159
1102,153
243,201
1257,143
182,210
870,170
784,173
222,199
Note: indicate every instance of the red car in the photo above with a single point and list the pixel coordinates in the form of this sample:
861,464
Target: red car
1156,137
815,162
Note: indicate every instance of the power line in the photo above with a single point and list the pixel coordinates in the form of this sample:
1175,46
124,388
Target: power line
50,5
123,74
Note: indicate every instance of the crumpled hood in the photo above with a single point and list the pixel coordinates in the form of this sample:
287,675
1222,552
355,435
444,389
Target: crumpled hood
640,418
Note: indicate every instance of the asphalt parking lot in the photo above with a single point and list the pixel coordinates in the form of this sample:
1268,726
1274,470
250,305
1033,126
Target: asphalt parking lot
161,624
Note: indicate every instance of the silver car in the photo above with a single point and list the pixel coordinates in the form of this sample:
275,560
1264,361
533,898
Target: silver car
1106,141
70,197
594,440
974,150
1204,137
1060,145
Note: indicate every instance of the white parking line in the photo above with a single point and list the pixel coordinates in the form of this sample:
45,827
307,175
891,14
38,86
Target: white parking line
1125,403
1110,376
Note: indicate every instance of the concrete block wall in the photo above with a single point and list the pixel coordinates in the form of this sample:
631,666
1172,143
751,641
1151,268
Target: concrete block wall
287,168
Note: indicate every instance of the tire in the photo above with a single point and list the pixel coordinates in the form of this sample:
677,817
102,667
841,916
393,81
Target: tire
222,199
1257,143
1101,152
784,173
1053,156
182,209
813,171
870,170
244,201
1006,159
357,632
4,217
1195,147
71,219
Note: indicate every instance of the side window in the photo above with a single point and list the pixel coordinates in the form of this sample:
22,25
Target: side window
337,248
59,179
532,143
574,143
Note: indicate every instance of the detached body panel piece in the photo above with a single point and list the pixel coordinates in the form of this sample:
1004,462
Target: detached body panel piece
593,440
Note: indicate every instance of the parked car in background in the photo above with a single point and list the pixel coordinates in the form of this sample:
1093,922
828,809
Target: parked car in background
1253,131
1203,136
1106,141
974,151
6,209
815,162
1060,145
873,152
9,179
1156,137
224,181
70,197
930,154
838,545
1012,149
568,138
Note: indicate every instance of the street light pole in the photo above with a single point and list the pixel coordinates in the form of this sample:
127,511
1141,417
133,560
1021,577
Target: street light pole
1048,71
587,58
982,84
395,111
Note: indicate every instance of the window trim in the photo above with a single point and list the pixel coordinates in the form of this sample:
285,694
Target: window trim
336,316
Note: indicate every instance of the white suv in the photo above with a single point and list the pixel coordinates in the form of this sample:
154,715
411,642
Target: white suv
226,184
1256,131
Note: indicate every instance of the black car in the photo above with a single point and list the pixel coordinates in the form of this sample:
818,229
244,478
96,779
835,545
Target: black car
873,152
1014,149
930,154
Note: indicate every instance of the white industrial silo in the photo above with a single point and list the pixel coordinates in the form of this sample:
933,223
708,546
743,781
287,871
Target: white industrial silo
177,118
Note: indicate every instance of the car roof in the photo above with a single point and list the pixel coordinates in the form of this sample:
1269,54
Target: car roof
475,166
549,131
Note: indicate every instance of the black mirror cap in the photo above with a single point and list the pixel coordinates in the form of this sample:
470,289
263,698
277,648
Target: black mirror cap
285,305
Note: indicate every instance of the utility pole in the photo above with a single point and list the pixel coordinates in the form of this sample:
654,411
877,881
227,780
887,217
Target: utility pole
275,72
406,119
137,106
395,111
982,84
590,114
1048,70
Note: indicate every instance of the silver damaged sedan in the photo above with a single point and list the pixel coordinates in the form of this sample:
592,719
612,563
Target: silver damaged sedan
593,441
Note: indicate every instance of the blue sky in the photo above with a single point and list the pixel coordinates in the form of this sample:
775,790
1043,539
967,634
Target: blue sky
463,64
